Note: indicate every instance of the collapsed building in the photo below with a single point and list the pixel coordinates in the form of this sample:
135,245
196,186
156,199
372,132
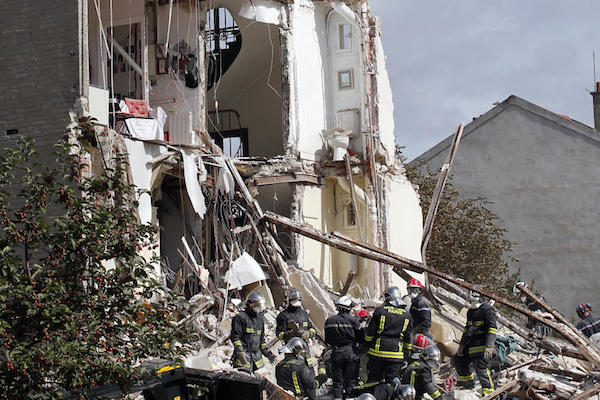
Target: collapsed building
251,128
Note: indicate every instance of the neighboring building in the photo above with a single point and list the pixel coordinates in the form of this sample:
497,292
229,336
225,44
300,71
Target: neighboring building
541,171
268,79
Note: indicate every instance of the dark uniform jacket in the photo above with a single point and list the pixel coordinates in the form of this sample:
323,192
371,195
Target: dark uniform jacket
420,311
342,330
589,325
248,331
296,314
389,333
294,375
419,375
480,331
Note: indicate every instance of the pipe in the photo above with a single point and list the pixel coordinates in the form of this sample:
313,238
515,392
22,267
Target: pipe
345,12
127,57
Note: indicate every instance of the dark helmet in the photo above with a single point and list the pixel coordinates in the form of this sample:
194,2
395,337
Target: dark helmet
366,396
583,308
344,303
297,346
431,355
294,297
256,302
405,392
393,296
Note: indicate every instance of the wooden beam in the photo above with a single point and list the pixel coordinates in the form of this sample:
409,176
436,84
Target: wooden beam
584,341
398,262
287,178
590,392
504,388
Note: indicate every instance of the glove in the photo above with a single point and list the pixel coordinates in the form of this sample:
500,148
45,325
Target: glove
488,353
270,356
321,378
306,335
241,358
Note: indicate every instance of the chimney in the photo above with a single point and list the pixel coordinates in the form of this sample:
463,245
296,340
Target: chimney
596,100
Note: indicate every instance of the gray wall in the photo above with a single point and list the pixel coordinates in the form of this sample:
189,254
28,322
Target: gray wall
544,180
39,78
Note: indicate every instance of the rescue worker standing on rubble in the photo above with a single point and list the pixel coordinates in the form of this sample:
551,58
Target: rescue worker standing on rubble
420,309
292,373
248,335
477,344
294,322
389,338
342,334
589,324
419,374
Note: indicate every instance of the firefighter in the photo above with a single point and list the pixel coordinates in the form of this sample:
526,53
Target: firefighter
589,324
389,338
294,322
293,374
477,345
342,334
248,335
420,309
420,342
419,373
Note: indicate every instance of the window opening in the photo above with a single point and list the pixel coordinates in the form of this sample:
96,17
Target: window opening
223,43
350,215
227,132
345,79
345,32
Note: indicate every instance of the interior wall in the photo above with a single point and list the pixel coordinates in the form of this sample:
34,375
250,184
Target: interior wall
385,103
252,85
326,209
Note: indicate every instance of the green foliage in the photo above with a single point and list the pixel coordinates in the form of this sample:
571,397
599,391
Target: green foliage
69,321
467,240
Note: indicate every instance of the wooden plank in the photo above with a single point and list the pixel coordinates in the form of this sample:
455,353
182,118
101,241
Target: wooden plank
504,388
437,193
584,341
287,178
398,262
590,392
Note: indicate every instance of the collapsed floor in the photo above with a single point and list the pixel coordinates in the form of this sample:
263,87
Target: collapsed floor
235,248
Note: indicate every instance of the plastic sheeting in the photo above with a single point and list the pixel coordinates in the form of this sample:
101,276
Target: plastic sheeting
192,165
265,11
243,271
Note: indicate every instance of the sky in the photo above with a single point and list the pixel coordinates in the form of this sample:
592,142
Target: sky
450,60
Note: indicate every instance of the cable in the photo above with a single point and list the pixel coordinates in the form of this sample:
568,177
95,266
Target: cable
271,66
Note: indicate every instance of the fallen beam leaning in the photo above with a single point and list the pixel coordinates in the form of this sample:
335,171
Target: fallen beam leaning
398,263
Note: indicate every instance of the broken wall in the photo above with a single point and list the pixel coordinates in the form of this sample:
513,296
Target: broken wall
252,85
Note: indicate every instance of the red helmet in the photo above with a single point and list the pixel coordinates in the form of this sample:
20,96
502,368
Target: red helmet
414,283
361,313
420,341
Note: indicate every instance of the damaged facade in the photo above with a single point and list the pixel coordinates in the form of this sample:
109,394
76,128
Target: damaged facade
282,87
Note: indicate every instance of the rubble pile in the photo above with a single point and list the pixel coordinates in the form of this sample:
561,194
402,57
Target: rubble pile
239,251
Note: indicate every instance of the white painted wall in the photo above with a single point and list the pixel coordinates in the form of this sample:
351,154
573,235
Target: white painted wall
404,223
385,103
308,40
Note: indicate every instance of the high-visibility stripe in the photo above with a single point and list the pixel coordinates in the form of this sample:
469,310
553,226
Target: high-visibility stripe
466,378
476,349
377,344
322,370
263,345
369,338
237,342
406,321
312,330
487,370
408,346
280,336
249,330
386,354
259,363
487,391
412,378
295,380
305,323
366,385
381,324
435,394
309,361
493,330
479,323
